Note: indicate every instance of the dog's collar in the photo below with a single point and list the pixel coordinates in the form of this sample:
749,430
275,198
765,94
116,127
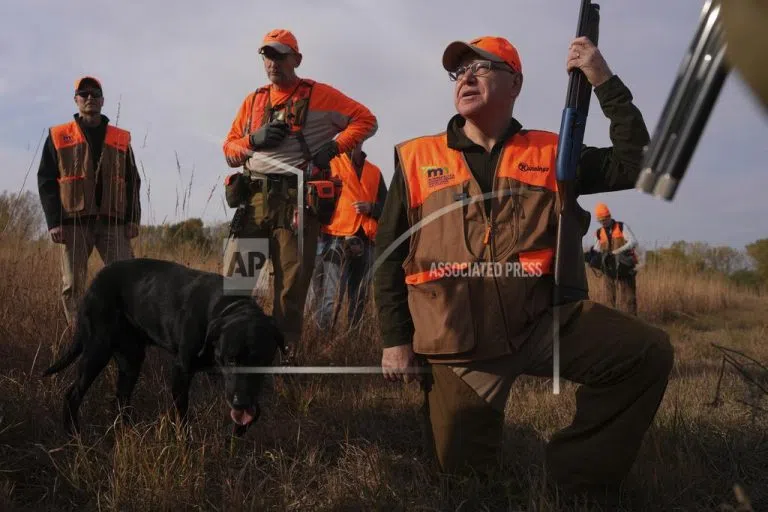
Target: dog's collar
231,306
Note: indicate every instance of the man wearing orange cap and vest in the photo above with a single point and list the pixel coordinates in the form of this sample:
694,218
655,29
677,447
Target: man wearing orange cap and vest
616,241
89,190
471,290
290,125
345,247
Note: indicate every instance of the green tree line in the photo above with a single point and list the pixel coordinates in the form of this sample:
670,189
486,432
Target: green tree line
748,268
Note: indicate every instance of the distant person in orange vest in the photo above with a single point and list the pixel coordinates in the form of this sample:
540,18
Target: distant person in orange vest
346,245
89,190
615,243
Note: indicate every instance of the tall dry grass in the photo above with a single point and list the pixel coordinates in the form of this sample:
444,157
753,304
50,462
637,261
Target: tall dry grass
666,292
349,442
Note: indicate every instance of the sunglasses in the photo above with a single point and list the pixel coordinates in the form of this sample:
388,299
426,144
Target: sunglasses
92,94
273,55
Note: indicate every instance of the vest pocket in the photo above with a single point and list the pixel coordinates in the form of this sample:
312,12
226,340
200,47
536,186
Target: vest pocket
72,193
441,317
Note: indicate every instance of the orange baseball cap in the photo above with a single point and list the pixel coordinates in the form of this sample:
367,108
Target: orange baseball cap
602,211
495,49
281,40
82,79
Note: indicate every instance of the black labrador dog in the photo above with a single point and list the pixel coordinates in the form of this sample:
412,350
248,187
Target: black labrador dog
138,302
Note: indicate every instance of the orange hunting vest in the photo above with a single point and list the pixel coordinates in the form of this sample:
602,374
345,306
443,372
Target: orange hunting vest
77,173
478,284
345,221
617,239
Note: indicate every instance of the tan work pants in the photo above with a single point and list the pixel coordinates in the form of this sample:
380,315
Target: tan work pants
112,244
291,278
623,365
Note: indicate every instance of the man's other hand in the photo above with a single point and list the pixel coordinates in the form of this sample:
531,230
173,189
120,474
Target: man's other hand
396,360
586,56
325,154
363,207
57,234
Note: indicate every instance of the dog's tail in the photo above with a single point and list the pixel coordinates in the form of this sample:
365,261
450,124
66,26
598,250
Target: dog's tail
74,350
72,353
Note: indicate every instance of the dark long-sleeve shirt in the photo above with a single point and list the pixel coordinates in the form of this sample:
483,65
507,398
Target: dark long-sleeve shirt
599,170
48,174
381,194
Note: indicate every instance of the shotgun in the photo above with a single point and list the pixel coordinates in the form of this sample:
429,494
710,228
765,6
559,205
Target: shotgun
698,83
573,221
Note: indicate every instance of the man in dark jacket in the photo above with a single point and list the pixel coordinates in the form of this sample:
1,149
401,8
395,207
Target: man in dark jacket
89,190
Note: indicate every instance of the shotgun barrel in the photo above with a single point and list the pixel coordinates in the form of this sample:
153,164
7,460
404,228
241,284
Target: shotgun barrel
697,85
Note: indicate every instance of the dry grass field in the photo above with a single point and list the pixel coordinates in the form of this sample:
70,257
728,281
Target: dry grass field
352,442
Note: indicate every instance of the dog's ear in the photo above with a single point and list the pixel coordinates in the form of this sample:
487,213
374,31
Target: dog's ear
212,333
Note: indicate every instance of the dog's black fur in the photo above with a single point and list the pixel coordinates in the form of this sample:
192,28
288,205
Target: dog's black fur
138,302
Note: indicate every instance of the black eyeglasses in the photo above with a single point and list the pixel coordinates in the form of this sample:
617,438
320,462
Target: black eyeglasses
92,94
478,68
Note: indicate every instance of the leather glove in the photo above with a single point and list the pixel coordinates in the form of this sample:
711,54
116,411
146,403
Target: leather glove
269,135
325,154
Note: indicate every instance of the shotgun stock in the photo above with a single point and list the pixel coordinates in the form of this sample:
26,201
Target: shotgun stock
573,221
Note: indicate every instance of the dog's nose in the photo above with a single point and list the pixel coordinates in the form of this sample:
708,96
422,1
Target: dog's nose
240,401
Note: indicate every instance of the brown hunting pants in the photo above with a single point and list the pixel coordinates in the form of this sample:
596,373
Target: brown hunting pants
112,244
623,365
627,293
291,277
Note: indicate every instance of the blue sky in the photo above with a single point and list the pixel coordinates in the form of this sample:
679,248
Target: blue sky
180,70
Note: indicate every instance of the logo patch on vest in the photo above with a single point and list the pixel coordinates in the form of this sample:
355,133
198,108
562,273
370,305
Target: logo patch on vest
524,167
437,176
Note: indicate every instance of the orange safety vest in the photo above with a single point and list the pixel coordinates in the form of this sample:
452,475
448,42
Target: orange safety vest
77,172
478,284
345,221
617,240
